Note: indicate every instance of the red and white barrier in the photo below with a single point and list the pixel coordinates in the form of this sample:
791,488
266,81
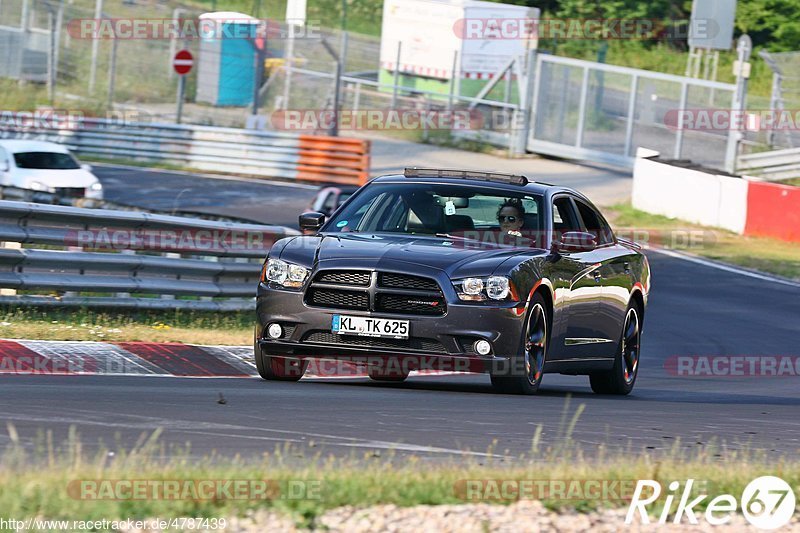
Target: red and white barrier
736,203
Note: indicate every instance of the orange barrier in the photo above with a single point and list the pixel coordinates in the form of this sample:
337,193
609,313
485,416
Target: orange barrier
773,211
333,159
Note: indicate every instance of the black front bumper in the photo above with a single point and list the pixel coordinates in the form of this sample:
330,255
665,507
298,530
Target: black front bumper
445,341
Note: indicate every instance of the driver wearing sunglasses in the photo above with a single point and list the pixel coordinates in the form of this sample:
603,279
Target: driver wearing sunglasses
511,216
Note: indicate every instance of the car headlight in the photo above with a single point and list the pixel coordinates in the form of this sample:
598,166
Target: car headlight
482,289
96,186
284,274
39,186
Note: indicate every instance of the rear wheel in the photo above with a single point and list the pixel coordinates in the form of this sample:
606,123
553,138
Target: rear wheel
273,368
622,377
533,353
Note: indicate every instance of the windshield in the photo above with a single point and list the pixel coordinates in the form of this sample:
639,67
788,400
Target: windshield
46,160
435,209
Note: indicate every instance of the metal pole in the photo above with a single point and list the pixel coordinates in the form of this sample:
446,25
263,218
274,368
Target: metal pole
676,154
582,107
59,23
98,13
112,75
337,80
527,104
631,115
396,74
258,65
51,57
173,42
453,76
287,81
743,48
181,89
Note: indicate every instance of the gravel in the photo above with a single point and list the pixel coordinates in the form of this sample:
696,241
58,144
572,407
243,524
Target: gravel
522,516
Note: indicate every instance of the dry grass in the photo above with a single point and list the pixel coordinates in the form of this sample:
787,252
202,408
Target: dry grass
758,253
80,325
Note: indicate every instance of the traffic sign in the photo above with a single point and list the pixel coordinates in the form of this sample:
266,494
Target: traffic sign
183,62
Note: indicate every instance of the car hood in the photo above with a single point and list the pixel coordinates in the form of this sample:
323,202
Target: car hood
53,178
461,257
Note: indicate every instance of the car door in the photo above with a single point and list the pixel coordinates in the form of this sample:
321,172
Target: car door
615,278
578,290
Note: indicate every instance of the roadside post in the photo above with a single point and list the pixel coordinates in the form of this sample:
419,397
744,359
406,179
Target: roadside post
182,63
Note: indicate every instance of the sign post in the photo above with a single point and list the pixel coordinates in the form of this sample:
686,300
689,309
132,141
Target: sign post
182,63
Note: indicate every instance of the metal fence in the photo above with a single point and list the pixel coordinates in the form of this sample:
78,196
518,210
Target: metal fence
68,256
244,152
600,112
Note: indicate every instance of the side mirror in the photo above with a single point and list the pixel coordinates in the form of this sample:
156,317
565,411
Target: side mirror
4,166
575,242
87,168
311,221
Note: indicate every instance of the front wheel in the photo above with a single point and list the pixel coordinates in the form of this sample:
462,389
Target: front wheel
274,368
533,355
622,377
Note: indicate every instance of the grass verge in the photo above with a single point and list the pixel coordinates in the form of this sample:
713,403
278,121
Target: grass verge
772,256
235,329
71,483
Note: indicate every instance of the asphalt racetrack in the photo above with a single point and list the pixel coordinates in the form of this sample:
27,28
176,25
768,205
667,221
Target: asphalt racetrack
695,309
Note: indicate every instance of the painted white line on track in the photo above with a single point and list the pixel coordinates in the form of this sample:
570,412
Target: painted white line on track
724,267
262,181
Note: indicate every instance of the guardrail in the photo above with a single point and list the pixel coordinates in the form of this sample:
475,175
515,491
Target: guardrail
88,257
238,151
773,165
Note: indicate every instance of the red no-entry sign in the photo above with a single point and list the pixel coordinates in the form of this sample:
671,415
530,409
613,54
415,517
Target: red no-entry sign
183,62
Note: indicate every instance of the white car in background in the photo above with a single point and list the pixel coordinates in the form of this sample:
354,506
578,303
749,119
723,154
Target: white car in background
40,171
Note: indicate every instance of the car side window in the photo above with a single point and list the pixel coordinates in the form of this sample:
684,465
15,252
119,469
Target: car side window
564,217
594,223
329,205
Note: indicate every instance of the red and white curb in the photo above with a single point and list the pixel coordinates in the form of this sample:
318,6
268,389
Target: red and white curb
33,357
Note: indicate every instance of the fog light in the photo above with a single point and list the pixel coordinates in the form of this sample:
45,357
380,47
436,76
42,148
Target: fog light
275,331
483,347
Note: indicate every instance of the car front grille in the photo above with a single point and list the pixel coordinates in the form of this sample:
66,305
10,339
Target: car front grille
386,292
416,305
343,277
404,281
338,299
416,344
70,192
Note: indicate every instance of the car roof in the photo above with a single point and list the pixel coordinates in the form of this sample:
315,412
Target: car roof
16,146
532,187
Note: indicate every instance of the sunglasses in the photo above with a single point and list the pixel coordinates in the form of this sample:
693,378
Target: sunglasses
503,218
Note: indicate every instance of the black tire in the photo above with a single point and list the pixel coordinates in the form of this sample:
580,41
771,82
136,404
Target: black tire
378,374
273,368
531,356
621,379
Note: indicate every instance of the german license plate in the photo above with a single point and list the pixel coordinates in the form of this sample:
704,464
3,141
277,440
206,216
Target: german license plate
370,327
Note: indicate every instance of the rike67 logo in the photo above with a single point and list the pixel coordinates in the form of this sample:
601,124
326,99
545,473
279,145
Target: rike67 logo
767,503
